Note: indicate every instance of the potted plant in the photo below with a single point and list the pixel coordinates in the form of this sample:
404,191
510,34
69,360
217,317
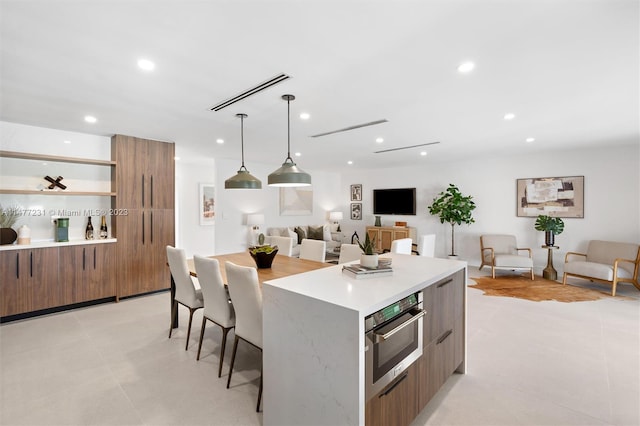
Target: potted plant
551,226
263,255
8,217
453,208
369,258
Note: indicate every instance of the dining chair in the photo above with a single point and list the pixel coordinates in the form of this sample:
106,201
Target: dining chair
246,296
217,306
402,246
426,245
186,293
313,250
285,244
349,252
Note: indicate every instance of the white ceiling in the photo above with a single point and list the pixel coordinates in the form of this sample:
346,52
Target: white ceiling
568,69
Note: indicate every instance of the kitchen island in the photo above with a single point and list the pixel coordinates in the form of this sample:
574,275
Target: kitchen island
314,342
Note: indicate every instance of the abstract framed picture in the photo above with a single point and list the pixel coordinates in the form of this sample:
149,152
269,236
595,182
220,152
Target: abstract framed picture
356,192
551,196
207,204
356,211
296,201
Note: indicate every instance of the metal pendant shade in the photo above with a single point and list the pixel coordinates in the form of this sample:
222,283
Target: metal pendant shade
289,174
243,179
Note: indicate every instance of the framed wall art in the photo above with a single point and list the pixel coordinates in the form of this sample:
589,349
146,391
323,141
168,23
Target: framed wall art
356,192
207,204
356,211
296,201
551,196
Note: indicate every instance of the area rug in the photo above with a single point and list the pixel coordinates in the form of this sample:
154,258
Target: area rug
538,290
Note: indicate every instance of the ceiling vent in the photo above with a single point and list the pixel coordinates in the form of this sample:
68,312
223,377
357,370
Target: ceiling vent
252,91
405,147
357,126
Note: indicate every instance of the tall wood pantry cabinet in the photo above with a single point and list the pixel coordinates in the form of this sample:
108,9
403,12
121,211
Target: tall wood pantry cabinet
144,215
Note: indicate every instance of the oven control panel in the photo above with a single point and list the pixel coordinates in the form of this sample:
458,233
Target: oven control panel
391,311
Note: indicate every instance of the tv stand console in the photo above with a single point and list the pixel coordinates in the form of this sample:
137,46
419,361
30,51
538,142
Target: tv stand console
385,234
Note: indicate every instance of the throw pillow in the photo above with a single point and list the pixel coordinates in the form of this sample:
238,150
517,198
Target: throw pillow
301,234
316,233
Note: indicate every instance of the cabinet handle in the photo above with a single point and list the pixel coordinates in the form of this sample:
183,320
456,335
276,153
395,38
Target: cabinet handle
151,190
17,265
151,227
444,336
442,284
83,259
142,190
388,391
94,258
31,264
142,227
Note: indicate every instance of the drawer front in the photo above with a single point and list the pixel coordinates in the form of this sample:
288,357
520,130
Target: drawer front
444,303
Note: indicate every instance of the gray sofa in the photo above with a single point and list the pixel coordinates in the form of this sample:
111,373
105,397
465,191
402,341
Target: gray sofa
296,237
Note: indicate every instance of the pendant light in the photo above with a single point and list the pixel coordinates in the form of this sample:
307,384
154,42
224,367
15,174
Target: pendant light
289,174
243,179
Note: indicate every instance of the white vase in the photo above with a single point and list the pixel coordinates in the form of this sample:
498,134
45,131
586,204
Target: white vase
369,260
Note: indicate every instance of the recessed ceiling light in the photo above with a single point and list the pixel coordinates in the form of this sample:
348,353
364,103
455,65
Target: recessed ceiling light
44,164
349,162
423,153
90,119
305,116
67,141
509,116
146,64
297,154
379,140
220,141
466,67
530,139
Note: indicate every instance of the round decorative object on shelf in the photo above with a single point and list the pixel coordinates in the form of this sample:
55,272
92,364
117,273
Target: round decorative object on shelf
7,236
263,259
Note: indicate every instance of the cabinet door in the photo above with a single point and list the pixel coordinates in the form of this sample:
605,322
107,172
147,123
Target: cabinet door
41,279
131,257
397,404
161,228
386,236
161,174
71,271
13,296
443,302
400,233
87,272
374,235
131,156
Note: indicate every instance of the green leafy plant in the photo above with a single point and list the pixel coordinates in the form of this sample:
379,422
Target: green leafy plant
263,249
9,215
454,208
548,223
368,246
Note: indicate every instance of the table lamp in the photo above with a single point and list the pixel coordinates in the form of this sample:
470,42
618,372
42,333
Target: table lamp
335,217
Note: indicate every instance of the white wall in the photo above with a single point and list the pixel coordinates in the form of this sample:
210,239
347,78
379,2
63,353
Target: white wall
233,206
612,199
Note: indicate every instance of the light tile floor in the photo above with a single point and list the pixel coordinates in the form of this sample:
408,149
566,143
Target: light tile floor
529,363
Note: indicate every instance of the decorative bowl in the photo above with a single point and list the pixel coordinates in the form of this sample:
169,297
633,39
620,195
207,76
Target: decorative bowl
262,258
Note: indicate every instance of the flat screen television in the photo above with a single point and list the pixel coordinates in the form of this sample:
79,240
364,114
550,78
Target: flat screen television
398,201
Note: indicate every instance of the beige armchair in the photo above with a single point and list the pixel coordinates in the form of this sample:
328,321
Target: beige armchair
502,252
605,261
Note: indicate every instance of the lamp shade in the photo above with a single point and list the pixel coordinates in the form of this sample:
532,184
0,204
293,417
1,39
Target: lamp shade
243,179
255,219
335,216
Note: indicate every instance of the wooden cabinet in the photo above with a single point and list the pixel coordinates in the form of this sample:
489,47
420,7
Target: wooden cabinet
443,341
144,180
87,272
29,281
384,235
397,404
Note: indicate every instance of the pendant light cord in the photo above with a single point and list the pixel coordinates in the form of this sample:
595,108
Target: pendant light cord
288,132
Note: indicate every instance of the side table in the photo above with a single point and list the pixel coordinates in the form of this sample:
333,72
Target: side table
549,272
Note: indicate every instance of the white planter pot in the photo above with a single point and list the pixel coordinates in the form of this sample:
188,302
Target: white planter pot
369,260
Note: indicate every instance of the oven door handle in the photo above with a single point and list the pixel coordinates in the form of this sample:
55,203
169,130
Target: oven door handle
380,337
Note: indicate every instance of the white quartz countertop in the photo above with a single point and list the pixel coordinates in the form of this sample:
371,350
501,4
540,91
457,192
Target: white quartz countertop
51,243
367,295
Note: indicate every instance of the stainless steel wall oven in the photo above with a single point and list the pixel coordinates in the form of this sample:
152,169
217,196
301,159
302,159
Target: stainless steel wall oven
393,340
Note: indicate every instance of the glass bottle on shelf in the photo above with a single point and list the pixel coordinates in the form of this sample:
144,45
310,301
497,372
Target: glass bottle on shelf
103,228
88,233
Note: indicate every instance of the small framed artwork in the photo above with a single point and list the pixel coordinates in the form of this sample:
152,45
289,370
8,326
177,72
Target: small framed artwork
551,196
356,211
207,204
356,192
